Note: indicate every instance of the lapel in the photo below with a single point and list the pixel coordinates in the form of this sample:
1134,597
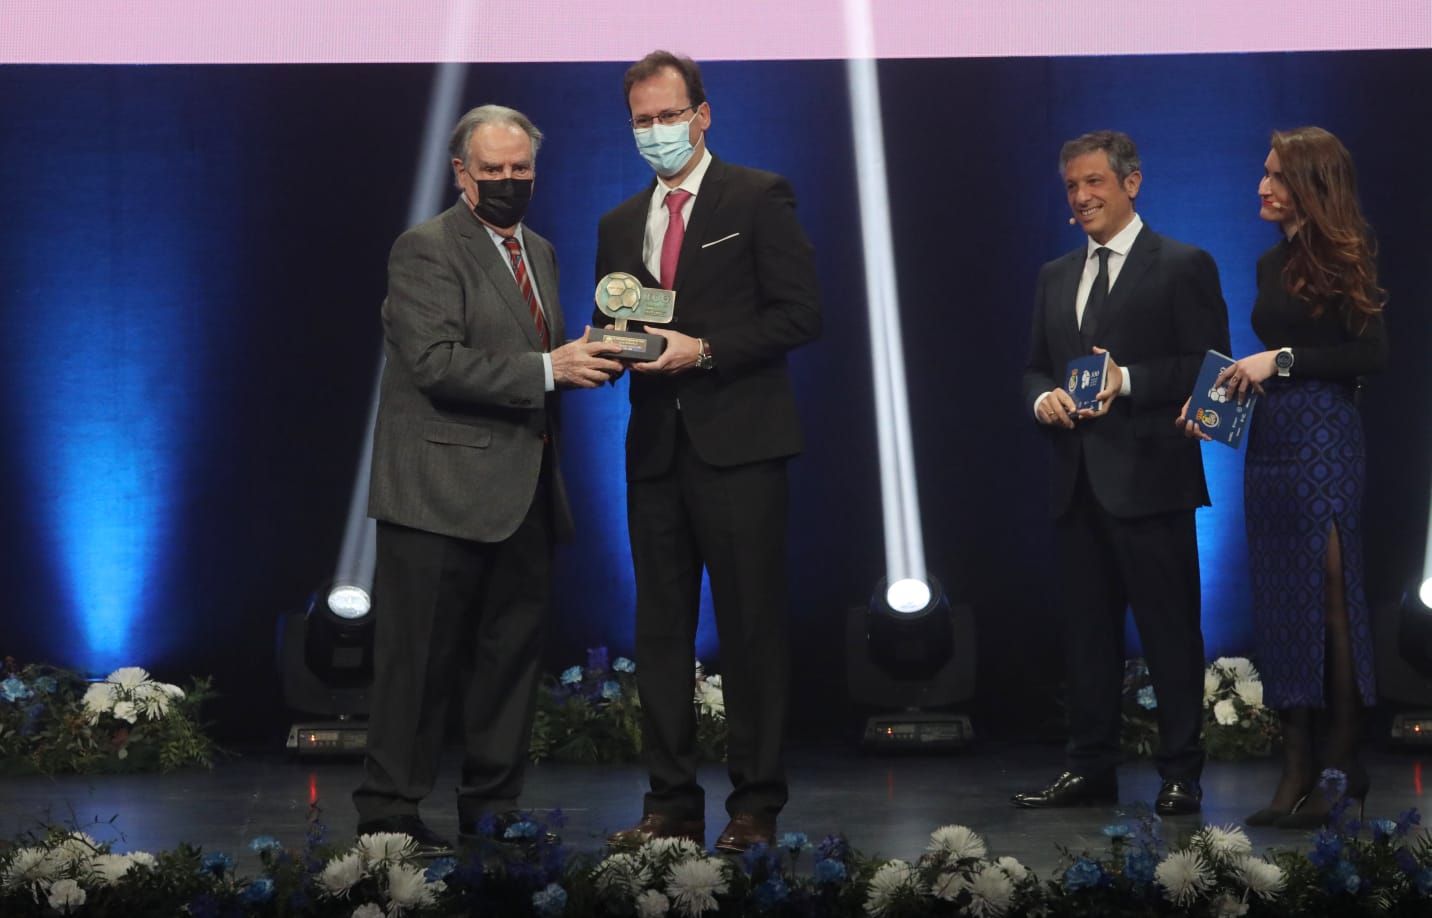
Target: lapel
1141,257
1065,295
633,236
707,202
479,246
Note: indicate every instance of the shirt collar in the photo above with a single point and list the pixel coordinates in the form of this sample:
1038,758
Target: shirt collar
1122,241
692,182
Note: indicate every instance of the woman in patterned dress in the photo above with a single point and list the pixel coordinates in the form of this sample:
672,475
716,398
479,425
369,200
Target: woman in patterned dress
1319,314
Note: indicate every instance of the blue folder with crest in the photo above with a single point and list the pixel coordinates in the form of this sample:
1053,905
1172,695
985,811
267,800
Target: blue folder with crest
1216,412
1084,379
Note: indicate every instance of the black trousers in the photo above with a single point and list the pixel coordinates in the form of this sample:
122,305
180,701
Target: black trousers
1147,564
732,522
454,615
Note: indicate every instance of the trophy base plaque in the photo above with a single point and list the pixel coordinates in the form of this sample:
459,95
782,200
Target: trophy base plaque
636,347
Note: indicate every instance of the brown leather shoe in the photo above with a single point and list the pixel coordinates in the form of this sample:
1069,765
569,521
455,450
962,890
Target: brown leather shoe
745,830
658,825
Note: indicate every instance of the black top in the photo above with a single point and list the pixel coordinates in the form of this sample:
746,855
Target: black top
1324,347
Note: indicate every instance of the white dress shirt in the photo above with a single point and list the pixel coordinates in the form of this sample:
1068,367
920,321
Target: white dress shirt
1118,247
658,217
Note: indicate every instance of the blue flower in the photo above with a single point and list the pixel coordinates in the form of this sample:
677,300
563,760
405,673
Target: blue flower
772,892
794,842
1146,697
1327,850
550,901
1083,874
833,846
597,660
265,843
572,675
1344,878
216,862
46,685
1333,782
829,870
524,829
611,690
439,869
757,859
257,892
1382,829
623,665
1118,831
14,689
1139,867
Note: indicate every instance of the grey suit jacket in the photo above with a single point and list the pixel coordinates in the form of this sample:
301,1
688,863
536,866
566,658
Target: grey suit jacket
462,410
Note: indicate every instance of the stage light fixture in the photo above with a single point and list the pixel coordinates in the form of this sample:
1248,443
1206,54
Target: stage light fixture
325,656
1425,593
910,661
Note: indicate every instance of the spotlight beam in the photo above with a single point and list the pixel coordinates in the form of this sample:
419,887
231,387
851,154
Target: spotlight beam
904,544
359,550
1424,591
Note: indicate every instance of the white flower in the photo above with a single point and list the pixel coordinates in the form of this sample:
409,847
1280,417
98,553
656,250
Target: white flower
1251,691
110,868
958,842
1226,842
152,700
1237,667
126,711
1229,906
1184,875
892,878
621,873
367,910
29,866
1225,713
991,889
408,888
1212,682
949,885
675,849
143,859
1012,868
99,699
66,896
1263,879
710,698
382,848
652,904
73,855
695,884
128,677
341,874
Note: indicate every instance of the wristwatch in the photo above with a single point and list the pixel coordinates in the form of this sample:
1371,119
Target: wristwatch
704,362
1283,360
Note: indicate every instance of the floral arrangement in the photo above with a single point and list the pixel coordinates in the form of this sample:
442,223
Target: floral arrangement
1383,867
53,721
1236,725
592,714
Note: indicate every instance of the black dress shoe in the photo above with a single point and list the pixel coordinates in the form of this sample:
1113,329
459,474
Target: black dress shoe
659,825
1070,789
745,830
429,843
508,827
1179,798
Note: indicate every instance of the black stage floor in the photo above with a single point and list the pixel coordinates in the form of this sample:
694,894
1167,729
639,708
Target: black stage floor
885,805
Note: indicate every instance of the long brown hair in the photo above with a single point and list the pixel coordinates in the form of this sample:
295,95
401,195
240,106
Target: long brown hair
1333,255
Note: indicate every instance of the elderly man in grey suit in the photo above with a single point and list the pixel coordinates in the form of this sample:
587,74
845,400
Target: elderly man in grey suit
466,487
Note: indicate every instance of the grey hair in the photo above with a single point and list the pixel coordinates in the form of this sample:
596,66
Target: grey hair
1123,155
490,114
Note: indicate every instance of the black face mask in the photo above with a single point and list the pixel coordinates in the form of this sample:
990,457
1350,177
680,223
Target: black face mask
502,202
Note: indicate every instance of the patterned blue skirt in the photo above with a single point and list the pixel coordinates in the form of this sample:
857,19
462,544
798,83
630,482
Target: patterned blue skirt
1303,475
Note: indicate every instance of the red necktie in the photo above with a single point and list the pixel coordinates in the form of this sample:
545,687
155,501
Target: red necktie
675,232
519,268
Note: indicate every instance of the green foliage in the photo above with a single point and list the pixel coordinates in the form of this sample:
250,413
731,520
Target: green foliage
1236,724
47,726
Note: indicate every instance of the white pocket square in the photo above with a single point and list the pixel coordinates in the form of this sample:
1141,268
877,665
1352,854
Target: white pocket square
707,245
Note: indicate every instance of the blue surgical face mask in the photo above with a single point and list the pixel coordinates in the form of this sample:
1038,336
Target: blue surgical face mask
667,147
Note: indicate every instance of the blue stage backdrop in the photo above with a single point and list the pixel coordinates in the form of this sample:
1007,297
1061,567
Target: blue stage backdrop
193,259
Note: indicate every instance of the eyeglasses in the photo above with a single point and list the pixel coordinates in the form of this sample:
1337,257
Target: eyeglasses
644,122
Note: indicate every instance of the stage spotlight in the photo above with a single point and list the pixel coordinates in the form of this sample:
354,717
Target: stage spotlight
1425,593
912,658
326,660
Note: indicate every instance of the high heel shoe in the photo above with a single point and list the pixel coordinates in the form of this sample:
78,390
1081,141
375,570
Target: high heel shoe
1315,816
1270,815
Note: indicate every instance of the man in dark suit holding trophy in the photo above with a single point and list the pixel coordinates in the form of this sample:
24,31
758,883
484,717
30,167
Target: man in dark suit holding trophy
713,422
1125,484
